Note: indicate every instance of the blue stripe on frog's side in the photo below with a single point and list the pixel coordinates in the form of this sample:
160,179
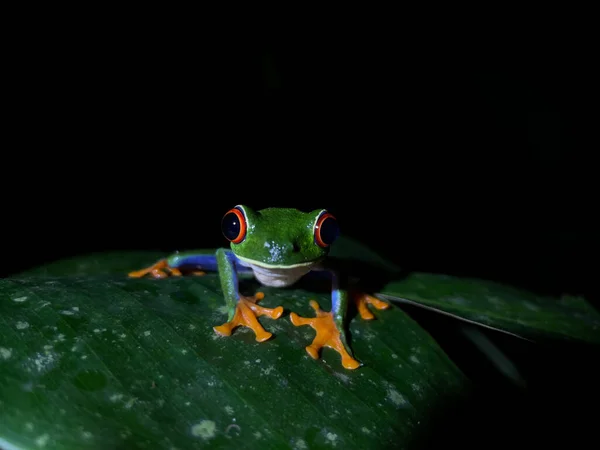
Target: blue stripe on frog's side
206,261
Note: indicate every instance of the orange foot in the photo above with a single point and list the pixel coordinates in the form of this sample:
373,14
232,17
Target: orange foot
246,313
160,269
328,335
362,300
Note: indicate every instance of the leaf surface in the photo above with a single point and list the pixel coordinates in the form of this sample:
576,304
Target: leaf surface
501,306
97,360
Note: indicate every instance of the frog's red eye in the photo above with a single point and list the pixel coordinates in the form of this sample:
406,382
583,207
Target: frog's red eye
233,225
326,229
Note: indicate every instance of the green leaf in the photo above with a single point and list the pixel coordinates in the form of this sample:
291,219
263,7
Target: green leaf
501,306
102,361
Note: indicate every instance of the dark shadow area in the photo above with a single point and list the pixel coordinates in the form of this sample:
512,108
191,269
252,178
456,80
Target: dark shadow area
551,411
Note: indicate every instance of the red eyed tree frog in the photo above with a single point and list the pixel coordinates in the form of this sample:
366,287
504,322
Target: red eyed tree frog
278,246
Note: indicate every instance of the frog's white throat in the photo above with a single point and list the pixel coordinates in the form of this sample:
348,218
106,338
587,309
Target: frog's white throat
279,276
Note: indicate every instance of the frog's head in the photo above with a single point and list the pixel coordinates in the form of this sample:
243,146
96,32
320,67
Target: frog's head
279,238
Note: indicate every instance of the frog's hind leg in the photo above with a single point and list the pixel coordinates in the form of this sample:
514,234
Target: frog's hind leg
361,301
193,262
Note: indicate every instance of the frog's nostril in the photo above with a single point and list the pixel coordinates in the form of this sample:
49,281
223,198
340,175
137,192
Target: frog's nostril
295,248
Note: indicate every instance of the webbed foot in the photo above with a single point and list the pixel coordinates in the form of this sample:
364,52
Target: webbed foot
328,335
362,300
160,269
246,313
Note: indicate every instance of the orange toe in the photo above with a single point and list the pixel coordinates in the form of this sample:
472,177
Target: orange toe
246,314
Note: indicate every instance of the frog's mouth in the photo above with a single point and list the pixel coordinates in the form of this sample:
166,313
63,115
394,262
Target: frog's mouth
278,275
253,263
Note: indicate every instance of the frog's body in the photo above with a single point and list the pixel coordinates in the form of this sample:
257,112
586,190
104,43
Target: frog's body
278,246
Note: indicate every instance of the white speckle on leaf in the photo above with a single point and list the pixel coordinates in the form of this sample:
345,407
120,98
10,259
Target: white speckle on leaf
222,309
97,330
19,299
320,394
22,325
67,313
86,434
257,361
233,426
147,333
204,429
268,370
332,438
84,357
365,430
115,397
257,434
414,359
300,444
394,356
29,426
43,362
342,376
5,353
183,351
229,410
75,308
192,326
369,336
396,398
130,402
42,440
122,335
48,347
60,337
188,403
531,306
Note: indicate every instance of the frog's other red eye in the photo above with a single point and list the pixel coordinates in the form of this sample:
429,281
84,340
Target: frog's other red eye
233,225
326,230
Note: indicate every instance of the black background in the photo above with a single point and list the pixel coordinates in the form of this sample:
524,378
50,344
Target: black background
449,154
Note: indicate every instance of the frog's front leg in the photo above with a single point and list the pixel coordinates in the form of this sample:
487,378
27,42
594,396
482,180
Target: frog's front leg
242,310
